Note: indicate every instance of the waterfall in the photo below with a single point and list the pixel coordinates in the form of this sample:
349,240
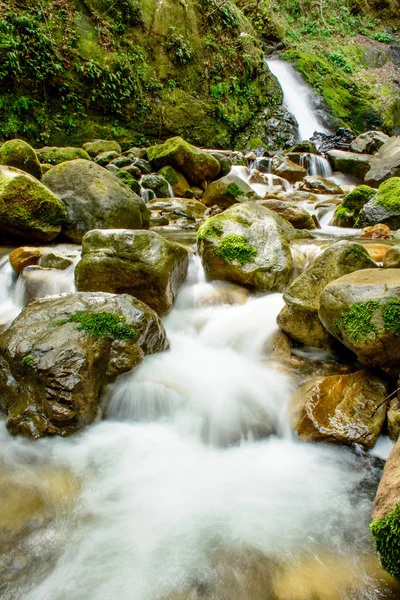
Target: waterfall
315,165
296,97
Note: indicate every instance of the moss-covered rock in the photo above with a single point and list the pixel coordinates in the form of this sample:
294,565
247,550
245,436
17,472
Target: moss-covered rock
129,180
224,162
55,156
227,191
157,184
176,180
95,199
104,158
384,206
28,210
299,318
348,210
141,263
19,154
197,165
341,409
247,244
274,128
61,352
362,310
100,146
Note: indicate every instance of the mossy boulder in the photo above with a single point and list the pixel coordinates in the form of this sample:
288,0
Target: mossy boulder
348,210
61,352
362,310
385,163
176,180
301,147
197,165
247,244
141,263
299,318
129,180
100,146
319,185
341,409
224,162
55,156
157,184
385,526
228,190
350,163
284,167
19,154
369,142
94,199
295,215
384,206
104,158
28,210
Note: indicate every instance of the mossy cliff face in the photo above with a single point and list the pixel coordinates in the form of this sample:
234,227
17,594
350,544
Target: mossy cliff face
130,69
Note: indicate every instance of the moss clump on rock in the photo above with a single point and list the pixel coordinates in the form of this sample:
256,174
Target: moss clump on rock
348,210
234,191
129,180
210,229
101,325
357,321
389,194
386,533
235,247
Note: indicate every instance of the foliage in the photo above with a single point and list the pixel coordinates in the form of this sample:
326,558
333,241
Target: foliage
386,533
175,44
28,360
338,60
101,325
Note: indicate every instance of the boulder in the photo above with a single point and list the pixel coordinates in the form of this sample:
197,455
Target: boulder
248,244
121,162
177,208
176,180
391,260
384,164
287,169
134,171
384,207
104,158
319,185
376,232
304,146
342,409
143,166
349,163
295,215
227,191
141,263
299,318
61,352
55,156
362,310
28,210
100,146
157,184
197,165
45,168
19,154
129,180
95,199
225,163
369,142
376,251
385,527
25,256
393,417
348,210
57,259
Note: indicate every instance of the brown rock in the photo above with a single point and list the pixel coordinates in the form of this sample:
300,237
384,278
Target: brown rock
376,231
24,256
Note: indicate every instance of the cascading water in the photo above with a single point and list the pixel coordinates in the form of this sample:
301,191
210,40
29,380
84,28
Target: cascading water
296,97
315,165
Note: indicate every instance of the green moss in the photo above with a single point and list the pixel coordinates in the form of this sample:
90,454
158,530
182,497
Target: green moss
343,213
356,199
234,191
391,316
55,156
28,361
386,533
389,194
169,174
357,321
254,143
102,324
211,228
236,248
129,180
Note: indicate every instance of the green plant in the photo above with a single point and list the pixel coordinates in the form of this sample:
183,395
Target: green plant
103,324
357,321
235,247
338,60
382,37
28,360
386,533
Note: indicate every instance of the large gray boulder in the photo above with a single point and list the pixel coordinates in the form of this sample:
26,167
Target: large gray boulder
141,263
369,142
299,318
95,199
384,164
228,190
248,244
351,163
362,310
61,352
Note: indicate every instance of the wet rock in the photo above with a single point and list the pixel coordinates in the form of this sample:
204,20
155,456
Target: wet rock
348,210
129,181
197,165
112,168
304,146
61,352
296,216
100,146
141,263
341,139
376,251
228,191
384,164
247,244
58,260
157,184
28,209
19,154
176,180
362,310
24,256
391,259
299,318
369,142
55,156
134,171
272,129
319,185
375,232
143,166
384,207
224,162
104,158
175,208
121,162
284,167
342,409
301,196
349,163
95,199
393,417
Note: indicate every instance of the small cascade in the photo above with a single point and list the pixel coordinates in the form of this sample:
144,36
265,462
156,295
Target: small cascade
303,256
315,165
147,195
170,191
